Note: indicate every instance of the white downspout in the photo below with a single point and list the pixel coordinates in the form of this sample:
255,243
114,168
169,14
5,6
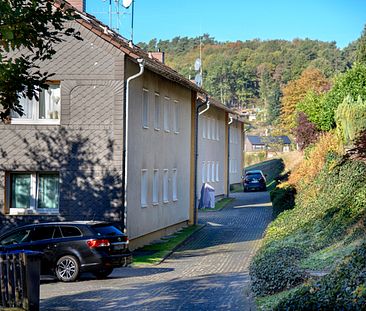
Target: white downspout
141,63
204,110
231,120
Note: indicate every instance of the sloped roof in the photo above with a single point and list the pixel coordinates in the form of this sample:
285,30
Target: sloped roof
134,52
263,140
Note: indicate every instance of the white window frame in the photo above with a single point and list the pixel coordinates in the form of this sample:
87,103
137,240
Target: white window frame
204,127
33,200
155,193
34,119
203,172
217,171
157,108
176,117
218,130
165,186
175,184
144,187
145,108
208,170
208,128
166,114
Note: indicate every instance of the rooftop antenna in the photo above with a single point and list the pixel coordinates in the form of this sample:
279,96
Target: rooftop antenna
198,67
126,4
115,10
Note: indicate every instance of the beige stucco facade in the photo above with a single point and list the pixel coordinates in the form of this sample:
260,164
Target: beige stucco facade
159,155
236,151
212,150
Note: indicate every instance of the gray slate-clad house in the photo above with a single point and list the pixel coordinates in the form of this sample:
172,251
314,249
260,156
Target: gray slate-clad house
64,159
257,143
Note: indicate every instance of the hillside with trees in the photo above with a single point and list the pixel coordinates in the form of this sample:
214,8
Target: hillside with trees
253,73
319,232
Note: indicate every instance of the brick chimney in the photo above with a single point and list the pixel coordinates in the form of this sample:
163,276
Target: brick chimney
160,56
78,4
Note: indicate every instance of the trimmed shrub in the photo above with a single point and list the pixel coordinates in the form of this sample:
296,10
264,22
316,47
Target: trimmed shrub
283,198
275,270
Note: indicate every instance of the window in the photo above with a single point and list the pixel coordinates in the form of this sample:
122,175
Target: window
42,233
204,127
20,236
213,171
217,171
208,125
37,192
145,108
157,112
213,130
203,172
46,110
70,231
217,130
144,188
166,114
165,187
156,187
176,117
208,171
175,185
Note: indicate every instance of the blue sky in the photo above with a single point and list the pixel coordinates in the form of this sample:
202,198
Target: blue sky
327,20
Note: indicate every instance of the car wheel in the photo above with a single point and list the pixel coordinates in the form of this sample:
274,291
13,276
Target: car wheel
67,268
102,274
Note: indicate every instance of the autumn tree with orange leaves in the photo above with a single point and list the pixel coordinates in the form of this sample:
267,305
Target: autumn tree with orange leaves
311,79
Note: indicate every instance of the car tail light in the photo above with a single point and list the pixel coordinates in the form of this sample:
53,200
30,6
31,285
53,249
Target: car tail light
98,243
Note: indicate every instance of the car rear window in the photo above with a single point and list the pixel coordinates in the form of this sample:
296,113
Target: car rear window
106,230
254,175
68,231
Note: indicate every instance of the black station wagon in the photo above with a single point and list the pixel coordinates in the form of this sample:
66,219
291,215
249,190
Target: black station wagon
69,248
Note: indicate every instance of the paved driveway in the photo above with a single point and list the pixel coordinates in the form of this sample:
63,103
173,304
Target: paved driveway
210,272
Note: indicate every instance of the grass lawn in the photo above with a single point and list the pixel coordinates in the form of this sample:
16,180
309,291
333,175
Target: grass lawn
219,205
154,253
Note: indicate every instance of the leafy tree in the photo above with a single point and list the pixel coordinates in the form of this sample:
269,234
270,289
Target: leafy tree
296,90
350,118
352,83
361,47
29,30
305,132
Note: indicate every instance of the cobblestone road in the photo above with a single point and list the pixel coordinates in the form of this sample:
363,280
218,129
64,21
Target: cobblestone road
210,272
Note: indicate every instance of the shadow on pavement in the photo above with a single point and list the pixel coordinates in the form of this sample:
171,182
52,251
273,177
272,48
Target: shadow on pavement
120,273
207,292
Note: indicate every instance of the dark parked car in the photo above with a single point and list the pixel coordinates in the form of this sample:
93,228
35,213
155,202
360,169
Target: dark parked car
69,248
254,179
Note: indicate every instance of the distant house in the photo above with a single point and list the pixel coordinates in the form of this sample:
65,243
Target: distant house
269,143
